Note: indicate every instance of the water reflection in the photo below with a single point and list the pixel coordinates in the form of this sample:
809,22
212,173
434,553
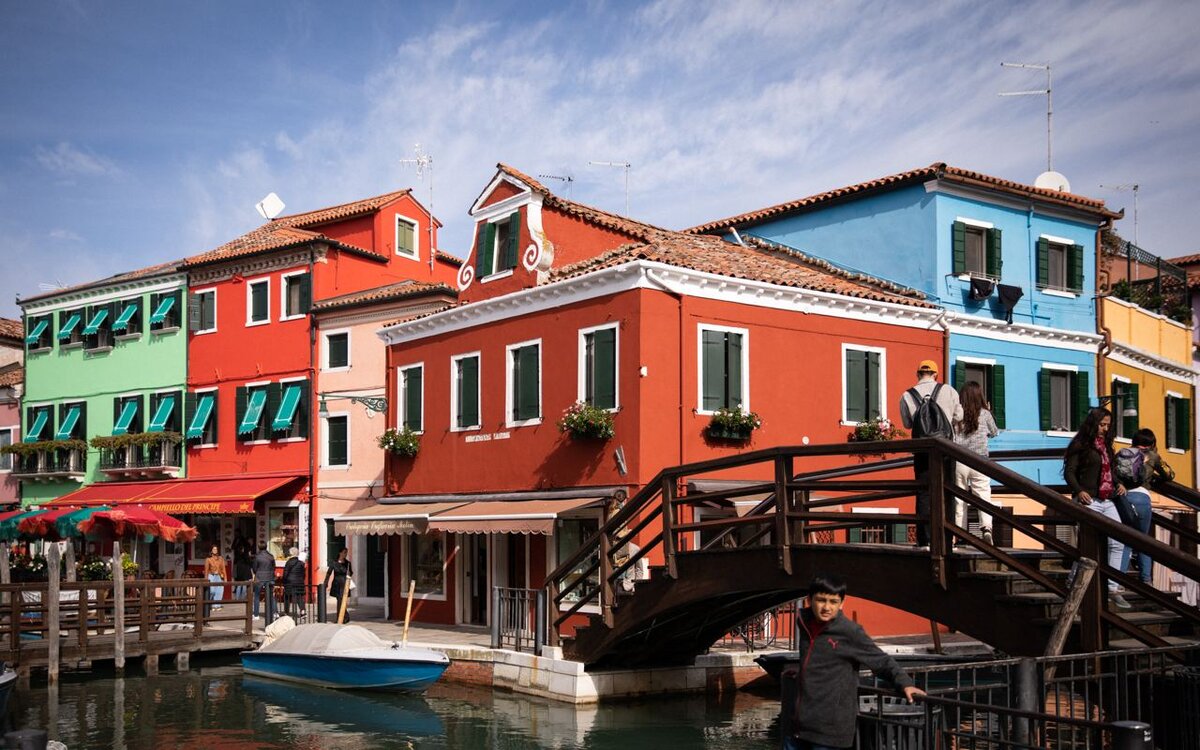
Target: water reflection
216,707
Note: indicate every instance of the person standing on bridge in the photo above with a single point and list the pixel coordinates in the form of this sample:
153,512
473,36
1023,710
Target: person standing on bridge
972,432
832,649
941,397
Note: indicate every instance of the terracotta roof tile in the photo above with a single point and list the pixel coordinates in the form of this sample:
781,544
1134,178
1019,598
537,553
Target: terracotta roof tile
1185,260
400,290
446,257
160,269
937,170
11,376
344,211
12,329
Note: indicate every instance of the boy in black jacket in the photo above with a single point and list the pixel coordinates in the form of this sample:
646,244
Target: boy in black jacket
832,651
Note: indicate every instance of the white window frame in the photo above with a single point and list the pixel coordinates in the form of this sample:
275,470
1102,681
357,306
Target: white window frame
325,465
325,349
745,332
14,436
454,391
198,293
985,226
882,352
402,401
447,557
1067,244
216,406
283,297
1168,438
581,385
508,384
282,385
250,301
1059,368
416,225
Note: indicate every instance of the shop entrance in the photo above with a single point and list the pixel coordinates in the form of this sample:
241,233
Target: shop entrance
475,578
376,565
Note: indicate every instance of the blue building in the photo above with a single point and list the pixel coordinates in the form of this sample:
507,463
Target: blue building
1013,266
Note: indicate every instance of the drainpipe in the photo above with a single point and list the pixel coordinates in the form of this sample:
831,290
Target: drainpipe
1102,385
1031,252
312,423
941,322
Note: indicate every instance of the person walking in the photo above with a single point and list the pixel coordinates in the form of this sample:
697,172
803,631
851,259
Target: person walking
972,432
293,584
214,571
940,396
1088,471
341,571
1137,492
263,568
243,552
832,650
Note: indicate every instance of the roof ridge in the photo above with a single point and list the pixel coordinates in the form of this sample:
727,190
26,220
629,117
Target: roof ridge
822,264
294,219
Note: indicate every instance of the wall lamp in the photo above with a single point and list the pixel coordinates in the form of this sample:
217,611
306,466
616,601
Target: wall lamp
372,403
1129,410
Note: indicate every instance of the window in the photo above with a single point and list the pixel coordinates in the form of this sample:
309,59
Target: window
1124,406
862,384
297,295
251,402
129,317
39,423
72,421
97,335
337,350
288,403
7,435
496,245
990,377
39,332
464,392
524,391
201,417
724,364
598,366
337,447
1064,397
70,327
976,248
1059,264
406,237
208,535
878,533
258,302
569,536
164,412
202,311
412,397
1179,422
127,415
283,531
165,313
427,562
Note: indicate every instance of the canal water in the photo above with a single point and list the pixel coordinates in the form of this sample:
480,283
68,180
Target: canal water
213,706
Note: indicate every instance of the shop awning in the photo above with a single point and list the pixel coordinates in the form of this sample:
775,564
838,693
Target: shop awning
204,496
287,407
507,516
122,321
160,313
69,421
68,328
401,518
97,320
204,408
36,332
254,407
125,418
34,433
162,414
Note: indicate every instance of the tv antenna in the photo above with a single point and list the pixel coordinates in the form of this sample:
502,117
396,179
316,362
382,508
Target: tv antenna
269,207
1038,92
566,179
57,285
1133,188
623,165
424,163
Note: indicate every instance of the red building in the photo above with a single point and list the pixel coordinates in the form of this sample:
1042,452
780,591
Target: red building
563,303
252,351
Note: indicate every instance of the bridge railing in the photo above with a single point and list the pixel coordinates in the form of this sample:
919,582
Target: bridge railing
821,493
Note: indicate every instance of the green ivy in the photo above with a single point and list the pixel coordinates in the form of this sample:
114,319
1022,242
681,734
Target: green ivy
27,449
110,442
401,442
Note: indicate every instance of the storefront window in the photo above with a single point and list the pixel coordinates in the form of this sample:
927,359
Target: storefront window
208,535
569,536
283,531
426,562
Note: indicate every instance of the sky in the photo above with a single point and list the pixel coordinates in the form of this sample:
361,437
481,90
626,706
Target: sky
134,133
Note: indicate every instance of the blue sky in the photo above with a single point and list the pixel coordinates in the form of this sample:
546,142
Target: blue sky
134,133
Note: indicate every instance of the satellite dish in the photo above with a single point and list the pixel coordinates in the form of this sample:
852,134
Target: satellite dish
269,207
1052,181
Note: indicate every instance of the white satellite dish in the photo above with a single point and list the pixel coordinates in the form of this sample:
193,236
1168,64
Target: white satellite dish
1052,181
269,207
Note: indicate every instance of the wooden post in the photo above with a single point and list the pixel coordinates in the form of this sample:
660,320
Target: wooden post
667,497
145,608
937,516
1095,598
70,558
198,607
782,529
83,621
607,593
1082,573
345,600
412,587
53,563
118,577
5,568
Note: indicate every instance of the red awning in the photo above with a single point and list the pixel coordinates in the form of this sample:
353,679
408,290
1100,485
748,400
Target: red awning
204,496
507,516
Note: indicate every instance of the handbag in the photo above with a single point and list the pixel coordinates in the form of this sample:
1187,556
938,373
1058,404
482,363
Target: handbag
353,585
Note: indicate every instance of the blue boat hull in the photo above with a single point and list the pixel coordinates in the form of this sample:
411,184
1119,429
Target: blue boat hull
344,672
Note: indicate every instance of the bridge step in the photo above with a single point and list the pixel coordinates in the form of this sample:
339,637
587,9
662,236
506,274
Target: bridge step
1132,643
1012,582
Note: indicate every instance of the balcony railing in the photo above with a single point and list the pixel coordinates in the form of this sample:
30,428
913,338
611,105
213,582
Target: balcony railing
55,463
154,458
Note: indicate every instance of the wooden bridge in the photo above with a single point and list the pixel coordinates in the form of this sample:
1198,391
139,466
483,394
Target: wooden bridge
811,514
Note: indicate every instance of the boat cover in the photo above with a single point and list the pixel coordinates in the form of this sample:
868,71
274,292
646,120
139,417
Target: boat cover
324,638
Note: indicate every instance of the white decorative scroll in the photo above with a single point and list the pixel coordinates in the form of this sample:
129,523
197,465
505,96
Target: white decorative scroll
532,255
466,274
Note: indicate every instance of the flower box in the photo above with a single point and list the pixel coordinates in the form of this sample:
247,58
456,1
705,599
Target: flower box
738,434
733,425
584,421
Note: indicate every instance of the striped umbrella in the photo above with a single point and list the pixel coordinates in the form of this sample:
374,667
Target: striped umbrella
8,526
43,525
68,525
134,520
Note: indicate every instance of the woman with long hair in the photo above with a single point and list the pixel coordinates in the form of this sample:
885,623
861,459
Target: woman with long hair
973,431
1088,470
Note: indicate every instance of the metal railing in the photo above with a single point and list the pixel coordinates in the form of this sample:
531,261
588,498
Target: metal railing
516,614
161,455
56,462
772,630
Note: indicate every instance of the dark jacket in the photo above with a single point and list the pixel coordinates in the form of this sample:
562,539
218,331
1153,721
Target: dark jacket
293,572
1081,470
264,566
827,691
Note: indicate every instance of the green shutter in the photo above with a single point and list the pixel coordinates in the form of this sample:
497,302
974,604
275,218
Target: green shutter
1129,400
734,374
958,245
528,386
899,533
1044,398
336,441
1083,398
304,413
413,378
1043,262
514,239
483,250
289,404
305,293
468,392
604,363
1075,267
712,356
274,401
854,535
1183,423
997,394
994,257
239,411
960,375
873,397
856,385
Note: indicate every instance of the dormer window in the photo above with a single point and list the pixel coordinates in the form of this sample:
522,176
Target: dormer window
976,248
496,246
406,237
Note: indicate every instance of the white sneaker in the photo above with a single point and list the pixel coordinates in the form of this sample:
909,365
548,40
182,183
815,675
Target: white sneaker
1119,601
987,536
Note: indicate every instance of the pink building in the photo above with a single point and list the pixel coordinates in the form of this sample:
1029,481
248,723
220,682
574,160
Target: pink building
12,381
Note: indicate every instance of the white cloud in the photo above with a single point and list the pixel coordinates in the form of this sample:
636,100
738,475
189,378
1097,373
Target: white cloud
65,235
68,161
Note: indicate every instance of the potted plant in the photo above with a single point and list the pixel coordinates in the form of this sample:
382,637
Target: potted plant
403,442
733,424
586,422
875,430
94,569
26,567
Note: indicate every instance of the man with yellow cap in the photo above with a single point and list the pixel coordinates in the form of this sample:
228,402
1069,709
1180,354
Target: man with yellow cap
944,397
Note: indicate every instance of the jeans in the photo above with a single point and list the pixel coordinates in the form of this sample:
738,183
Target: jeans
1115,548
216,593
267,589
795,743
978,483
1139,499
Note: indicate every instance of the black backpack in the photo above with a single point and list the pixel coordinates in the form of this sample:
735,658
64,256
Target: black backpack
929,420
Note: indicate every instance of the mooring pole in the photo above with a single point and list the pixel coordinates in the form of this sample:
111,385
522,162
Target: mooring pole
53,563
118,578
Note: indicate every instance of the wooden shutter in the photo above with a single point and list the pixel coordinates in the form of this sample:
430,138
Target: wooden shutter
1043,262
1044,398
854,535
189,402
994,257
240,401
1075,267
856,386
303,417
997,394
527,383
734,374
468,392
193,312
1129,400
604,362
337,429
483,250
212,419
899,533
959,375
958,245
514,239
1083,398
1183,418
305,293
413,377
712,365
873,396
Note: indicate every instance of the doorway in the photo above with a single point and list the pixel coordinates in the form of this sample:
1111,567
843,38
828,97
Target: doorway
475,578
516,557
